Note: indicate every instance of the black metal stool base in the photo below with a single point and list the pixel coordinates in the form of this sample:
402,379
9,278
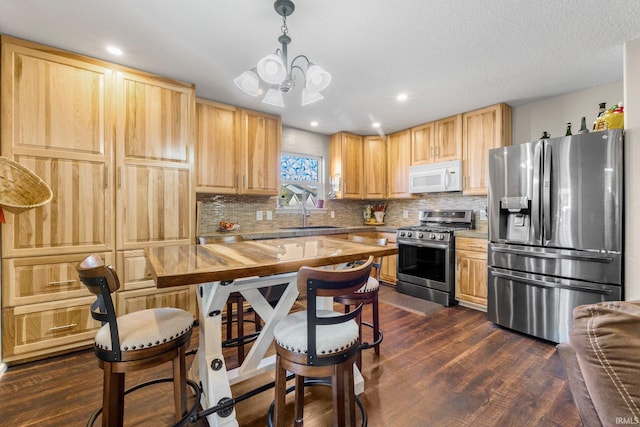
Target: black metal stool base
366,345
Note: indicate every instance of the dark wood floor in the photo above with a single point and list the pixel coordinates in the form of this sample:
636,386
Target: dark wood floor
453,368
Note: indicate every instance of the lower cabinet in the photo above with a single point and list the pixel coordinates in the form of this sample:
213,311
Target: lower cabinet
389,263
46,309
471,272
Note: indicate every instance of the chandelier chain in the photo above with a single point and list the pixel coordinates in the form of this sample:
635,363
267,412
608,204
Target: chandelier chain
284,28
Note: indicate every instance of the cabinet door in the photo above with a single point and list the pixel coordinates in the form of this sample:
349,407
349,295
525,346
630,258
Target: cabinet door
471,277
448,139
352,166
483,130
398,160
375,160
217,148
260,161
183,297
155,197
57,121
422,144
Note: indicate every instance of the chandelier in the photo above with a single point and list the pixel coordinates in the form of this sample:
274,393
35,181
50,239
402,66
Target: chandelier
278,76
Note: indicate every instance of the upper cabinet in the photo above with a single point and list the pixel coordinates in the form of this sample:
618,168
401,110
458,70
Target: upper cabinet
483,130
154,160
346,165
217,157
57,120
398,162
438,141
261,136
375,161
236,150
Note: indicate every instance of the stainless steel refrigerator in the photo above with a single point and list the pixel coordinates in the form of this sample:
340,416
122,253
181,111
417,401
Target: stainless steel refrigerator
555,230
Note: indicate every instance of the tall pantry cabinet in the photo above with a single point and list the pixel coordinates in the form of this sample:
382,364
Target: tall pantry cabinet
115,146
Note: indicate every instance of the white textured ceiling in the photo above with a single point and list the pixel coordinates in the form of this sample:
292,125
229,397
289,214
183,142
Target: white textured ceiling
449,56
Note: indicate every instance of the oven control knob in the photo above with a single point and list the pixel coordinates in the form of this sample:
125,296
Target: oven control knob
420,235
432,236
402,234
440,236
408,234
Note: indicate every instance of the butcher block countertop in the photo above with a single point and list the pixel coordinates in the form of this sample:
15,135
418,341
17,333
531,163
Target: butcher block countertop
191,264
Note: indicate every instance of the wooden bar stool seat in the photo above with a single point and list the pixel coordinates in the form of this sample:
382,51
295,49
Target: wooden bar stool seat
320,343
134,341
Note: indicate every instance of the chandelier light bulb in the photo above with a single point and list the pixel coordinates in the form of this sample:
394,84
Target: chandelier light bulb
274,97
317,78
309,96
271,69
248,82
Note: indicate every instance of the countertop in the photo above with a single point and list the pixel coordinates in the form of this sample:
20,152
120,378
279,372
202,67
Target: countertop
474,234
302,232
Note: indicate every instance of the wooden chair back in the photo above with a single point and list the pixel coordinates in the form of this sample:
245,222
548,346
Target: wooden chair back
320,282
102,280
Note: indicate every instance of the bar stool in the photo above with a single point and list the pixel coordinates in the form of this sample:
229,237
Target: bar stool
134,341
368,294
320,343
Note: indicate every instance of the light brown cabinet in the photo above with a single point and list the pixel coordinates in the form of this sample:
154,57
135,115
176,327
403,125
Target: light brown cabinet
154,159
438,141
261,136
217,155
236,150
389,263
346,165
398,162
375,170
116,147
471,271
483,130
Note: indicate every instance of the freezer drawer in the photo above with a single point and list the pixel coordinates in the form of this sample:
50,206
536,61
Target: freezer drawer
588,266
539,305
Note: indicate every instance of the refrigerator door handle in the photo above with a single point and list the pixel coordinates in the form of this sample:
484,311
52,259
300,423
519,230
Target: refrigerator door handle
549,284
546,195
596,257
535,203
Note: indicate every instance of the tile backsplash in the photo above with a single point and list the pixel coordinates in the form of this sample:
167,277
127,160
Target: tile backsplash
242,210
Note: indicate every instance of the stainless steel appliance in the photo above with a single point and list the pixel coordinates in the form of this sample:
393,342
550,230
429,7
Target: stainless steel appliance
555,230
426,255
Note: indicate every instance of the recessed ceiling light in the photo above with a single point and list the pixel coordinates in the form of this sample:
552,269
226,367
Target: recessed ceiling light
114,50
314,123
402,97
375,125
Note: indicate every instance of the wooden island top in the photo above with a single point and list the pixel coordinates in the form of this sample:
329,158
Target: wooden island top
192,264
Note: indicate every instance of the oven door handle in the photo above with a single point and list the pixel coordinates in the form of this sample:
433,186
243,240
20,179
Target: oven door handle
423,244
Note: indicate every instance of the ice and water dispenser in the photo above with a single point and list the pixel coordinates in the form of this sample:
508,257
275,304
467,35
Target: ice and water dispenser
515,219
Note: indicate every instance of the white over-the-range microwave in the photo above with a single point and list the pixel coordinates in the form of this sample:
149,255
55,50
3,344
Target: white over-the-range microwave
436,177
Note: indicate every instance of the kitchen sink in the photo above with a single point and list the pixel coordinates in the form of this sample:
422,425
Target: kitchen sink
310,227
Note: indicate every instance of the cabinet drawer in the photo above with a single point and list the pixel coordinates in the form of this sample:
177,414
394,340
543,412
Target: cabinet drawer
42,279
471,244
183,297
39,329
133,271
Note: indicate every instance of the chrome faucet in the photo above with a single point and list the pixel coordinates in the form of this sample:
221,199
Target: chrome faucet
305,211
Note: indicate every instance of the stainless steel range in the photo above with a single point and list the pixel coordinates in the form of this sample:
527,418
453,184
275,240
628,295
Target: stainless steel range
426,255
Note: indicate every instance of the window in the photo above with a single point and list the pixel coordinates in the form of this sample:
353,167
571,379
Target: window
302,181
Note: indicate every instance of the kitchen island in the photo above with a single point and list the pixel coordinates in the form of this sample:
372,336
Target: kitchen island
218,269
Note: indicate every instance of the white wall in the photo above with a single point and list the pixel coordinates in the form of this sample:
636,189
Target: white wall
552,114
632,171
